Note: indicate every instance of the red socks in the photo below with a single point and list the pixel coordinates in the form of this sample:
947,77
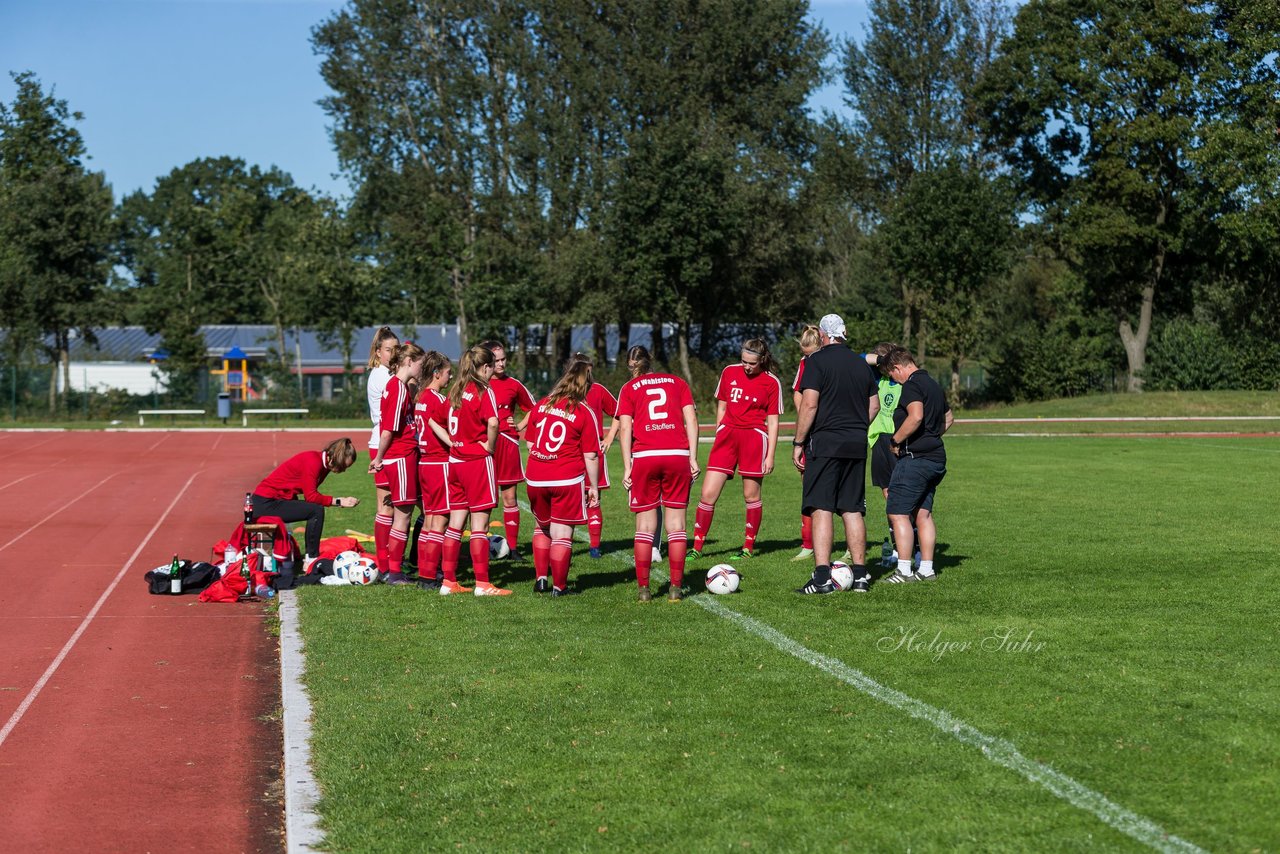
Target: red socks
429,547
806,532
644,557
560,552
450,552
480,557
677,546
381,533
755,511
511,523
595,522
702,523
396,541
541,554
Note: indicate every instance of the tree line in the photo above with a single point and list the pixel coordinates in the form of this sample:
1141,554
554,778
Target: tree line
1066,191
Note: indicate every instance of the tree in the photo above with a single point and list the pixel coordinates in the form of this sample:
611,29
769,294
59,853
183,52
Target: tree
1100,105
55,228
949,238
911,87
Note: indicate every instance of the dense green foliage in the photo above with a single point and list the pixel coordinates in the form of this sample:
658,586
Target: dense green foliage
1076,195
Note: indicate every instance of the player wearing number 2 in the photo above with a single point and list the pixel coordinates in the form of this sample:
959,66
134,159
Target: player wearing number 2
659,439
749,401
563,435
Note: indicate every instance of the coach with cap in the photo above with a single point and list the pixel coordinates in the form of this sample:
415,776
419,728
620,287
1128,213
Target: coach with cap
838,400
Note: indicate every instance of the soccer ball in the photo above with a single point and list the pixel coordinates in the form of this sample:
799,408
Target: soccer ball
498,548
722,579
841,575
355,568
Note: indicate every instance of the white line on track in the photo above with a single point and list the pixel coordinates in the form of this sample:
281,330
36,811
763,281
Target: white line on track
997,750
19,480
57,662
47,518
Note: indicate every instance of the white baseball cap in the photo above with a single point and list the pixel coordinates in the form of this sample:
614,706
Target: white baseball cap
833,326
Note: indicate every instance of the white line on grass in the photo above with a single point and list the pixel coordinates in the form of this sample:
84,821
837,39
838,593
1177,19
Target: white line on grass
84,624
999,751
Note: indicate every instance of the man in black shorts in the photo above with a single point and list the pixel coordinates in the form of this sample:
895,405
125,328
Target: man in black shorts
919,421
838,401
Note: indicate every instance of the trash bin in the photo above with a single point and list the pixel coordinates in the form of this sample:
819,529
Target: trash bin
224,405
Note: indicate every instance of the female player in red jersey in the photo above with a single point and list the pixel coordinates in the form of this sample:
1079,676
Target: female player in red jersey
602,403
473,489
810,341
511,396
659,439
563,435
431,413
397,457
302,475
378,372
748,403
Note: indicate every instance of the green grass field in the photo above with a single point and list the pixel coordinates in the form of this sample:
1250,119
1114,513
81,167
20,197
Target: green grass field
1106,605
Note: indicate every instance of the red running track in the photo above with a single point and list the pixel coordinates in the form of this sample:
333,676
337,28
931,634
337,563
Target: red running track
130,721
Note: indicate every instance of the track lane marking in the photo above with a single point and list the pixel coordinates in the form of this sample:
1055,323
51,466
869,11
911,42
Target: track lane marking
71,642
51,516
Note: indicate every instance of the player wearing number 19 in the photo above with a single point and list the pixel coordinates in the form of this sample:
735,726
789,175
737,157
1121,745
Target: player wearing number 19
659,439
563,435
749,401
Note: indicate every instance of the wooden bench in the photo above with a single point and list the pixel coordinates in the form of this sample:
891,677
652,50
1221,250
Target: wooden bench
143,413
245,413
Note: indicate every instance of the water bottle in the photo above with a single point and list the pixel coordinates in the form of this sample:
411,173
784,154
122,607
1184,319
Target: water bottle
886,553
264,591
248,507
175,577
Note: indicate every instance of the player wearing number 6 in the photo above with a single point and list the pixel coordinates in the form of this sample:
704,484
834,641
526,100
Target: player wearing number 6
749,401
473,490
659,439
563,435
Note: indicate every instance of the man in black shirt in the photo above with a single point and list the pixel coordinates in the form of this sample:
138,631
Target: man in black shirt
838,400
919,421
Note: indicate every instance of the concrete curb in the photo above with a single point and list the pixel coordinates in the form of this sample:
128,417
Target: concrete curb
301,792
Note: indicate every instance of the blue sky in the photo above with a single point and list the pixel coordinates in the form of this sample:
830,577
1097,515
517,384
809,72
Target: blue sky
164,82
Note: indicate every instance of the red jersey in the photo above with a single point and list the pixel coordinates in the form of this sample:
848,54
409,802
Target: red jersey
469,424
656,405
748,400
795,386
557,439
509,394
302,473
602,403
397,419
431,406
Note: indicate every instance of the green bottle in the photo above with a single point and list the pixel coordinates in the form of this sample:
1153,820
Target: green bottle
175,577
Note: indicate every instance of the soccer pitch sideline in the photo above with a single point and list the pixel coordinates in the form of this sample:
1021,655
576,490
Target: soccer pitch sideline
1091,670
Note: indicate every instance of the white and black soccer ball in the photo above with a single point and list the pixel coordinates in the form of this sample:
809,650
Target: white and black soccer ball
355,568
841,575
498,548
722,579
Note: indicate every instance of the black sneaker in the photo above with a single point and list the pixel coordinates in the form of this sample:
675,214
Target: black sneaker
513,555
396,579
862,584
542,585
556,592
429,583
815,586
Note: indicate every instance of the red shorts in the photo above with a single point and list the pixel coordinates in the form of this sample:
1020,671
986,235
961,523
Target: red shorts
433,485
506,460
661,480
739,448
402,479
379,477
565,504
471,485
